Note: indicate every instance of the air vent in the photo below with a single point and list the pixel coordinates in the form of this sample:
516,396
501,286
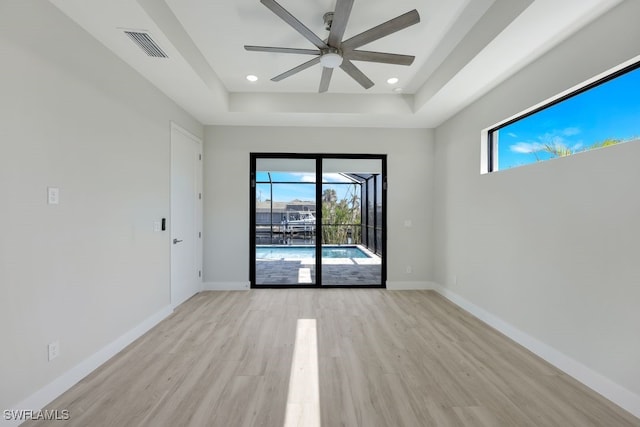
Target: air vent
146,43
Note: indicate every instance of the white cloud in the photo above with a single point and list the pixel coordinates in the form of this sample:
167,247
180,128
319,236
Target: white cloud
305,177
526,147
571,131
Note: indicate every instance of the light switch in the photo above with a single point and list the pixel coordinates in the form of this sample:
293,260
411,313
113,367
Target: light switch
53,195
157,226
408,223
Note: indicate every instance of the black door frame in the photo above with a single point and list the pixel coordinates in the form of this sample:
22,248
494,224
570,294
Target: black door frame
318,247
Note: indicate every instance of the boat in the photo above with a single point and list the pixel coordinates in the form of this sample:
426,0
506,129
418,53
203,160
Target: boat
296,221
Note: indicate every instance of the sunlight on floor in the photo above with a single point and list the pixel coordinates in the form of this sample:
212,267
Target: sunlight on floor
304,275
303,402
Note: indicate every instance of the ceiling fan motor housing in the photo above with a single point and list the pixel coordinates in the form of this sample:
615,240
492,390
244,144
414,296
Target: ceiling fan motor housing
328,20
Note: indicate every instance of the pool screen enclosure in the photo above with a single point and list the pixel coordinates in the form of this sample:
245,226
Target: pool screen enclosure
317,220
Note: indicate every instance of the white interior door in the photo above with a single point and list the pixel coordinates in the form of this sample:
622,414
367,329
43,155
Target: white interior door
186,215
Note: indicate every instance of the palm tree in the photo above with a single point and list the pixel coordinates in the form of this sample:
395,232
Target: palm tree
605,143
339,216
329,196
559,150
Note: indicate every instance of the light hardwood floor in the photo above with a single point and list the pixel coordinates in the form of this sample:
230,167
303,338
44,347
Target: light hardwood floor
386,358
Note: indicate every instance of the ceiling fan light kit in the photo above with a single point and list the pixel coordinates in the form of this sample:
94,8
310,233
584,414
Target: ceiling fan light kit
334,52
331,58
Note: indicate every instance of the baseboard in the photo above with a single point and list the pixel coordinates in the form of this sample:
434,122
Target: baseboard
614,392
243,286
186,298
51,391
226,286
409,286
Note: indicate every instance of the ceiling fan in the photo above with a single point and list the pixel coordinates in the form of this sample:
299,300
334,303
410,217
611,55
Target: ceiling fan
334,52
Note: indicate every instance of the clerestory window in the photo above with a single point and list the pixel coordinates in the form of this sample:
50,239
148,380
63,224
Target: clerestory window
599,114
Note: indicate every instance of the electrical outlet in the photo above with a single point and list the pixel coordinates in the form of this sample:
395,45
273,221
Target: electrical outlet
408,269
54,350
53,195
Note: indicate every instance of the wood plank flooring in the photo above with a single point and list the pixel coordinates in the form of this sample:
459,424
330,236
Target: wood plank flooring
386,358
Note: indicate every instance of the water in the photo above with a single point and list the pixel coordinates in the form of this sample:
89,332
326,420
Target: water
302,252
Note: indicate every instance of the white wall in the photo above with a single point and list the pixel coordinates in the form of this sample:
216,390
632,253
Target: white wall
226,177
551,248
90,269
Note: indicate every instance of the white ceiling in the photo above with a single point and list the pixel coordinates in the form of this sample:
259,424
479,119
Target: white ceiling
463,48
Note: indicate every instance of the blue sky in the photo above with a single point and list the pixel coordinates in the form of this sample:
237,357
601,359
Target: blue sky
286,193
610,110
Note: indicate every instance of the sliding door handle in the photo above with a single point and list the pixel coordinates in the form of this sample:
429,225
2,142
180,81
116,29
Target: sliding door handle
176,241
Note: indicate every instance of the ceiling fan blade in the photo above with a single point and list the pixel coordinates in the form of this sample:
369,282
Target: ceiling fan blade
297,69
339,24
396,24
386,58
356,74
281,50
292,21
326,78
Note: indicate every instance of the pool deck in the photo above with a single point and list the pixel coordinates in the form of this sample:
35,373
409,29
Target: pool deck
298,273
335,272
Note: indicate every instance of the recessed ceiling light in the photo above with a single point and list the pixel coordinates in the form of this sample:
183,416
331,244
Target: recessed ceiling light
397,89
392,80
252,78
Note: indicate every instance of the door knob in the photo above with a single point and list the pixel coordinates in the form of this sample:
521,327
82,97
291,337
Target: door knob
176,241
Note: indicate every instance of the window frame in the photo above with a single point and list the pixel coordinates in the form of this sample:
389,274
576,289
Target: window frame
489,141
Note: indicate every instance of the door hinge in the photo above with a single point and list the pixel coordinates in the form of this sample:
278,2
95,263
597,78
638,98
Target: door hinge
199,273
200,196
199,234
199,156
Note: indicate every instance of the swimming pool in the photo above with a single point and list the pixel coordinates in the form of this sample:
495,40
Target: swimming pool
271,252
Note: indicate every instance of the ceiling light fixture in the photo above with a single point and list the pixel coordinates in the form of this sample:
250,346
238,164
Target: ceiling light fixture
392,80
252,78
397,89
331,58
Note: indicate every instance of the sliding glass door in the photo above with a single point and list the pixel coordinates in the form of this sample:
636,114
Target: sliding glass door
285,221
317,220
349,256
